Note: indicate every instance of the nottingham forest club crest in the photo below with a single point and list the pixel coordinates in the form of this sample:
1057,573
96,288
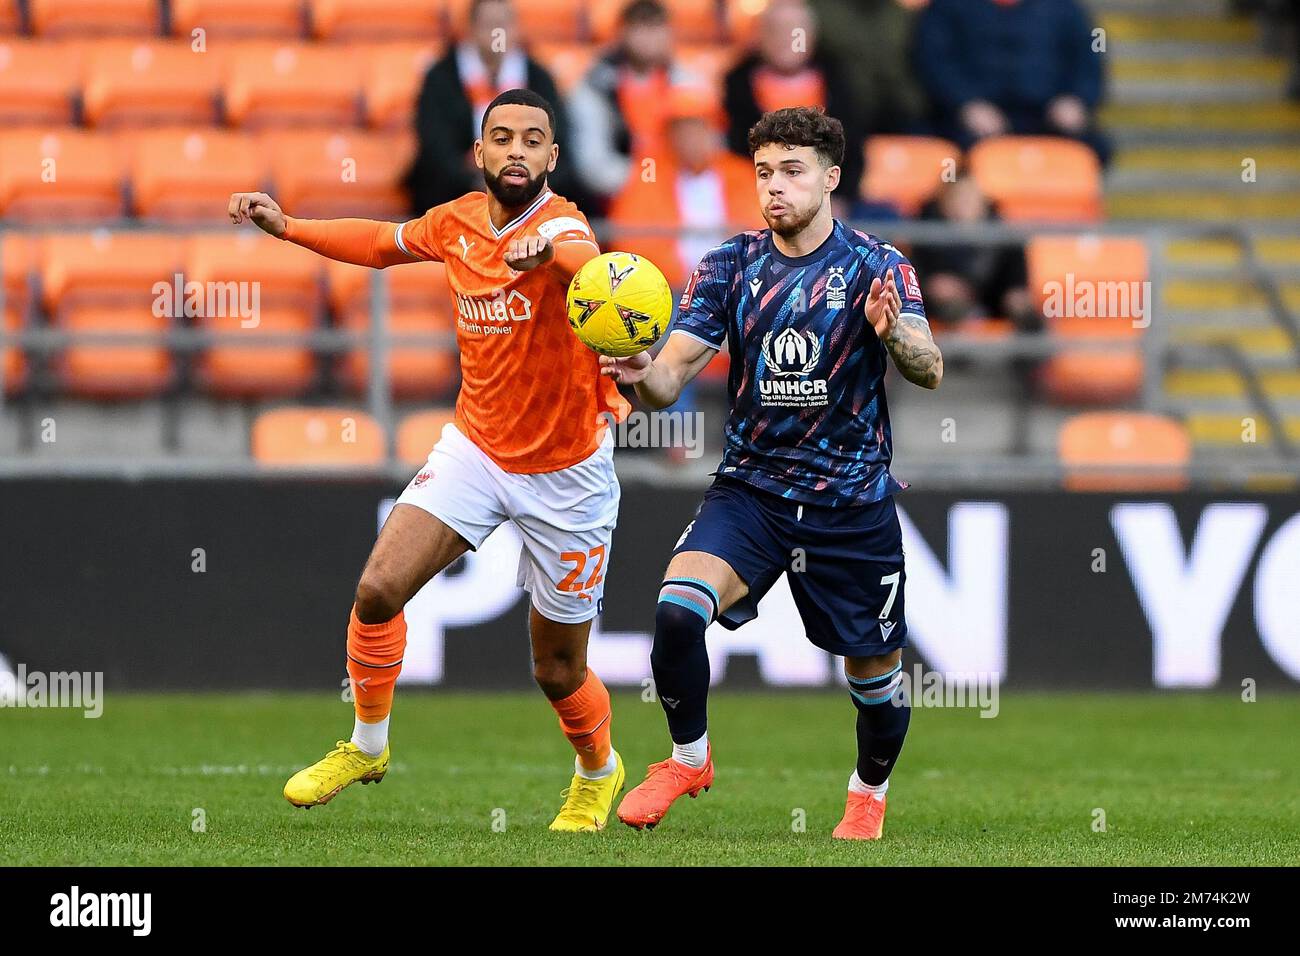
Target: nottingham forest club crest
790,357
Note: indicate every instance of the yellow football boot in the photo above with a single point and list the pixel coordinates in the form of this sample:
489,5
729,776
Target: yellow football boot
321,782
587,803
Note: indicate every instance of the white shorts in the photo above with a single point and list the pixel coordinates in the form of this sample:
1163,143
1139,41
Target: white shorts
566,518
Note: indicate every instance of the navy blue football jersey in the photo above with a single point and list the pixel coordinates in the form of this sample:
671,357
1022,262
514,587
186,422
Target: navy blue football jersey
809,420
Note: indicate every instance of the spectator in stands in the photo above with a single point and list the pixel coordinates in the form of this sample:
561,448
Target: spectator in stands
993,67
882,86
968,281
787,68
617,109
456,91
696,184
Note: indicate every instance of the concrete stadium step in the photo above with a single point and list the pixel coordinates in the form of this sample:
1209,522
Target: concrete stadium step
1217,383
1175,24
1235,89
1139,137
1229,182
1227,429
1281,252
1206,8
1217,67
1209,294
1203,206
1204,118
1267,347
1224,160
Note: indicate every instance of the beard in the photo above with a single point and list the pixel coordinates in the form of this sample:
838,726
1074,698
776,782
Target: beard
793,221
510,195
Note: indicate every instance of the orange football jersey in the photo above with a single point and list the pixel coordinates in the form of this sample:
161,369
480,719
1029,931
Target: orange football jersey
531,395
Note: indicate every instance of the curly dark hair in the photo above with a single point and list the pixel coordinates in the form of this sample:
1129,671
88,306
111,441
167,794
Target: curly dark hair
801,126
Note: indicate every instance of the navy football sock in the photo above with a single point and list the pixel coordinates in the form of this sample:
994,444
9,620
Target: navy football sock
679,659
883,716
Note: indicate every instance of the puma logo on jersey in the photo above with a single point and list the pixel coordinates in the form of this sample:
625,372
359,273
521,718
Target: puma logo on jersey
465,247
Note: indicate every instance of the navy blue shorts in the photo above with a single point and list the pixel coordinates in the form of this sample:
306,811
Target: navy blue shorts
844,564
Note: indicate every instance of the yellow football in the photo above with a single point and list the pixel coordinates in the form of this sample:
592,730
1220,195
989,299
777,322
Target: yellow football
619,304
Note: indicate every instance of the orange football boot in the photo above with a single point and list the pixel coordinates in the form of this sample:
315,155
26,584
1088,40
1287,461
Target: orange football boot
648,803
864,818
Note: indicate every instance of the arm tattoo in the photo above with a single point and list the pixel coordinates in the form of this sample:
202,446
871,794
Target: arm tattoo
914,351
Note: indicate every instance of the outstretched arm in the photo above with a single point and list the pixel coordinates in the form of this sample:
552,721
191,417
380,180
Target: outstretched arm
906,335
659,381
364,242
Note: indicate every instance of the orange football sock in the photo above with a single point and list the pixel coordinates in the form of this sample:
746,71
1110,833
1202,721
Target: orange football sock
374,661
585,718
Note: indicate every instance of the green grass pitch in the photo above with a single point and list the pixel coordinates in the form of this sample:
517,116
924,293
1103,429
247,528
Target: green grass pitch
1182,779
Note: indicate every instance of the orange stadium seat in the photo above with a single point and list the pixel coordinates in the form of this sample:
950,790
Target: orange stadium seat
1124,451
567,62
419,432
907,170
393,75
283,19
709,63
150,82
38,81
318,436
377,19
419,304
693,20
102,283
13,361
187,175
1039,178
325,175
280,288
94,17
292,85
59,175
1091,287
11,20
556,21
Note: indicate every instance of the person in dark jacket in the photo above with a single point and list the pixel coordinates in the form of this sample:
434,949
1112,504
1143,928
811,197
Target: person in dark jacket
456,91
993,67
786,68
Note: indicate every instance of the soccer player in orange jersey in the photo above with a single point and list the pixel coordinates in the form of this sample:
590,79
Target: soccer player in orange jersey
528,446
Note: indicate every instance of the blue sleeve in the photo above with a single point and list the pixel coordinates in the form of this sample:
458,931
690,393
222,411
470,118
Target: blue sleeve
703,312
906,280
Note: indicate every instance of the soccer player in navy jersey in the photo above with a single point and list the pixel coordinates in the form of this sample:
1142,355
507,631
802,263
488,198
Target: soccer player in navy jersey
809,310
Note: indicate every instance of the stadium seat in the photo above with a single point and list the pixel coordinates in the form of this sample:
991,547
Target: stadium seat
53,18
11,20
1124,451
419,432
59,175
102,283
567,62
13,361
906,170
319,174
555,21
38,81
391,82
419,304
344,437
286,282
1039,178
187,175
280,19
377,19
692,20
150,82
1091,287
292,85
